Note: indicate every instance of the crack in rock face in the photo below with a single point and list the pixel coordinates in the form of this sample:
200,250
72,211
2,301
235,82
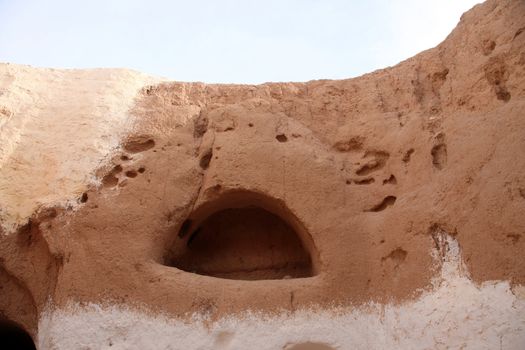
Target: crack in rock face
378,212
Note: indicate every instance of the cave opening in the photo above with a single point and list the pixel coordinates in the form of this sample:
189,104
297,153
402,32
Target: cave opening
244,237
14,336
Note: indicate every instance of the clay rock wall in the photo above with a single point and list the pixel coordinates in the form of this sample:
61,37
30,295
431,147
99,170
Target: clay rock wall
384,211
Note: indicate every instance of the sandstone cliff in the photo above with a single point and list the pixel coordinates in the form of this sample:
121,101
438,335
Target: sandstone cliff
401,189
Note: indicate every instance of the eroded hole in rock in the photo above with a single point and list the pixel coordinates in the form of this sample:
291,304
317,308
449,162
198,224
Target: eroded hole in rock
487,46
205,160
497,74
395,258
84,198
439,156
308,346
391,180
242,243
365,181
377,162
110,179
13,336
407,155
352,144
281,138
131,173
502,93
387,202
137,144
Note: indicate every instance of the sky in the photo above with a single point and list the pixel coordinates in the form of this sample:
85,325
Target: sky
225,41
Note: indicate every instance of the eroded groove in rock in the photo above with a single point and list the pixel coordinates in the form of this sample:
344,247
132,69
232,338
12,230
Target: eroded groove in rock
138,144
200,125
385,203
377,162
365,181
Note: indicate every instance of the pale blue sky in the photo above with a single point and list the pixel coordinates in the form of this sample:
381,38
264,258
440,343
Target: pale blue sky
225,41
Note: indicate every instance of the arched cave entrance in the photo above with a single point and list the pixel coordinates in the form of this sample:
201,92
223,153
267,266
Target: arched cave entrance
244,236
18,314
14,337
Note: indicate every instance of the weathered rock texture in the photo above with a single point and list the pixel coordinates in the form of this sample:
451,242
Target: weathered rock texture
384,211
